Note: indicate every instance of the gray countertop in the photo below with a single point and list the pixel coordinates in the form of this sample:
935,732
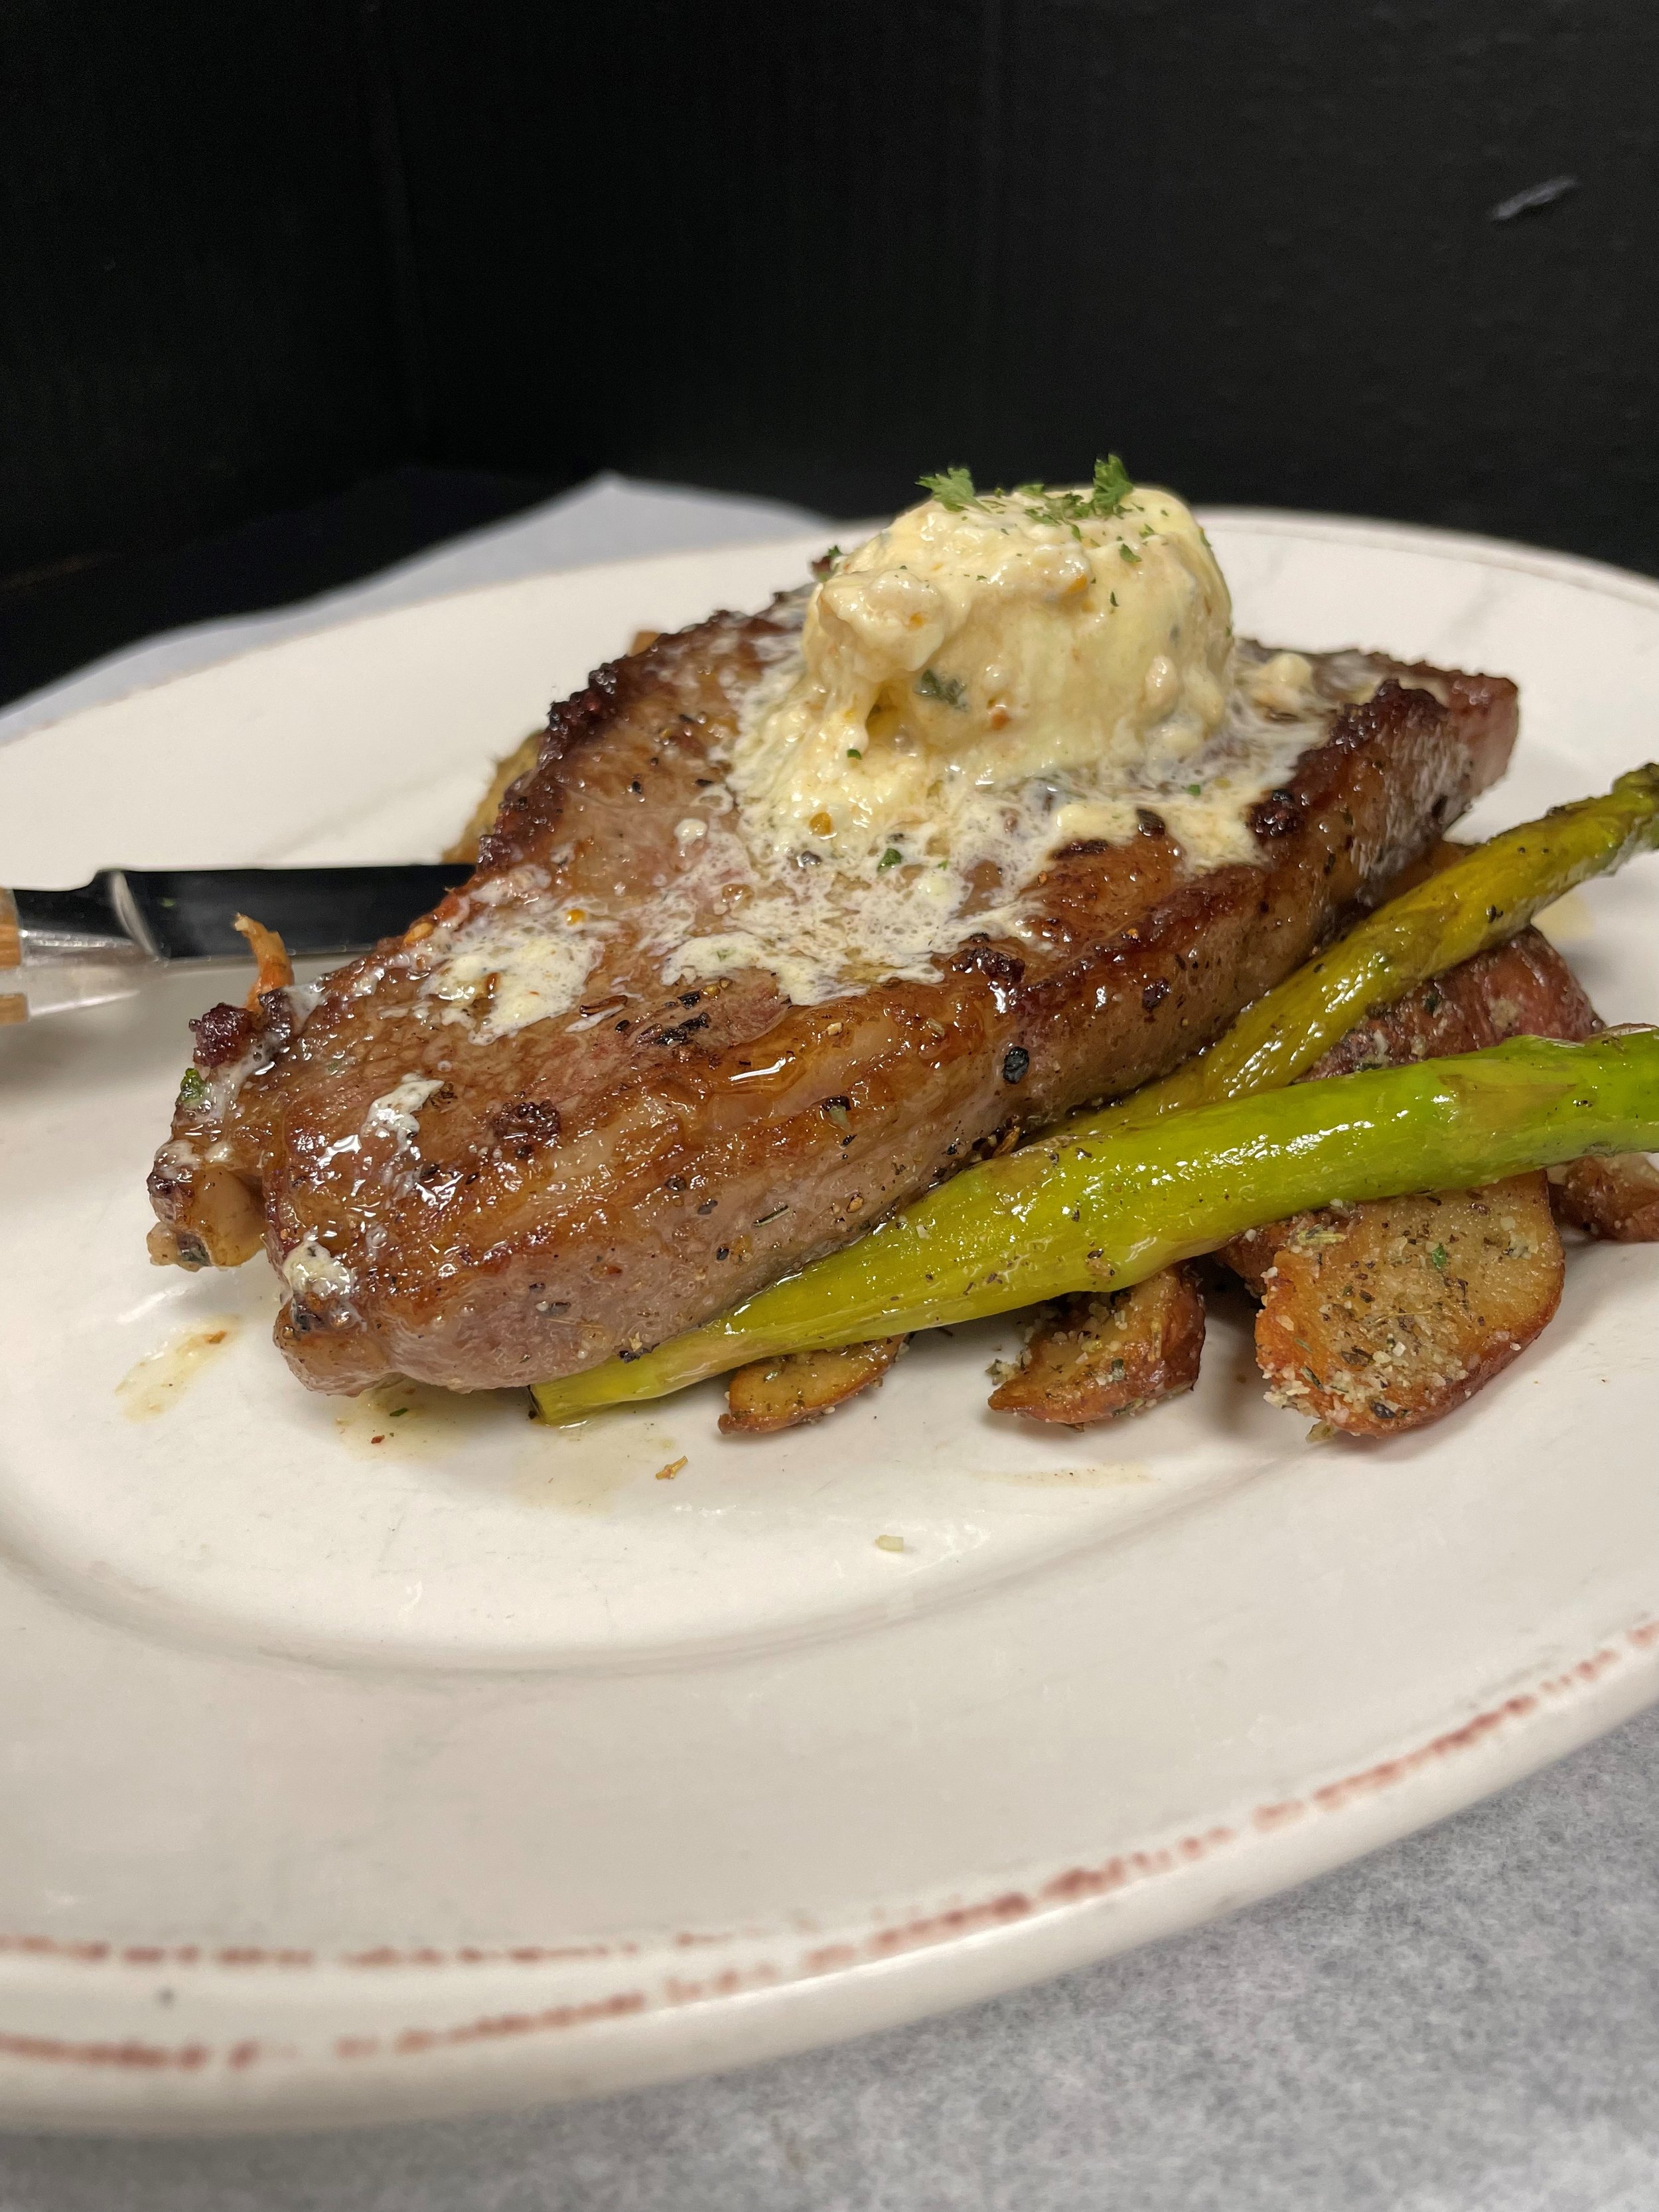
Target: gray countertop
1467,2021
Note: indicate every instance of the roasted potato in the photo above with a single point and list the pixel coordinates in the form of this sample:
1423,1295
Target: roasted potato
1378,1318
1616,1199
1096,1356
770,1395
1523,988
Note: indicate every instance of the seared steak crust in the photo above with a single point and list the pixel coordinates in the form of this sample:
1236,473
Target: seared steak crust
597,1182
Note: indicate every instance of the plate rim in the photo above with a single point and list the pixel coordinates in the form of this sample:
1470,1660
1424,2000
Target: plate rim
493,2049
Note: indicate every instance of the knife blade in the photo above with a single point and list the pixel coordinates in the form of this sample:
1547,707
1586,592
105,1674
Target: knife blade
84,947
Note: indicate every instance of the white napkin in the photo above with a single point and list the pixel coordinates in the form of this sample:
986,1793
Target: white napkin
611,519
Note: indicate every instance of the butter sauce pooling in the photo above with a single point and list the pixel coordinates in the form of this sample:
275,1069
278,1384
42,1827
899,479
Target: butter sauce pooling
973,689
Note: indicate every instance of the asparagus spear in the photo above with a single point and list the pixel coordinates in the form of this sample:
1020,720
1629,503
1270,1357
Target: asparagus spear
1095,1212
1480,901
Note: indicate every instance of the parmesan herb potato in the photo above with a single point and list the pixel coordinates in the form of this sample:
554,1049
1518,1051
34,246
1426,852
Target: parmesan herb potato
1616,1199
770,1395
1094,1358
1378,1318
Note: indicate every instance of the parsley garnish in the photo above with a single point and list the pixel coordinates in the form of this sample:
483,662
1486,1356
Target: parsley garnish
889,859
1129,554
1194,789
952,487
852,753
1110,485
1440,1258
1109,488
948,690
193,1090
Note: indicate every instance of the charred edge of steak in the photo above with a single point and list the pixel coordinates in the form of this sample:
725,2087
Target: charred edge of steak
533,807
224,1033
1314,862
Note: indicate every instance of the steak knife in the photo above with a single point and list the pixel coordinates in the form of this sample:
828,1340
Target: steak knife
60,949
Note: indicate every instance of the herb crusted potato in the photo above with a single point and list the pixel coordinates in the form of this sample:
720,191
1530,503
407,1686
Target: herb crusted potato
770,1395
1379,1318
1093,1358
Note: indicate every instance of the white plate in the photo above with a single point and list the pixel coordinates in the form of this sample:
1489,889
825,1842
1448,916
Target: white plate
363,1761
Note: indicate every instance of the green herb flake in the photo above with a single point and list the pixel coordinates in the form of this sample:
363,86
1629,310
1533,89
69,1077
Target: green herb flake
1126,552
1112,596
1195,790
1112,485
1440,1258
852,753
192,1089
1108,488
889,859
948,690
952,487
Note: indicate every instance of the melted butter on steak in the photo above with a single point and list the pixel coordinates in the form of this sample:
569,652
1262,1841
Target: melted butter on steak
827,925
979,686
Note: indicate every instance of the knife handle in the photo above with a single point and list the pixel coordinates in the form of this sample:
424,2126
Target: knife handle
13,1005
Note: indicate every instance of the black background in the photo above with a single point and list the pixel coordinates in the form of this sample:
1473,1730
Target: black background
289,287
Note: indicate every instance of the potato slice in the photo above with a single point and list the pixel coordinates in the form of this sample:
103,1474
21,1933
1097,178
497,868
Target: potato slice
1251,1256
1426,1335
770,1395
1096,1356
1616,1199
1523,988
1378,1318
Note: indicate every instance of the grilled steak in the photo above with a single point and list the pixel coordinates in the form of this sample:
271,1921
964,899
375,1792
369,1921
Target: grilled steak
461,1193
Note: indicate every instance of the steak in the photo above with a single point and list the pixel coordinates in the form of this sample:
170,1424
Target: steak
476,1200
